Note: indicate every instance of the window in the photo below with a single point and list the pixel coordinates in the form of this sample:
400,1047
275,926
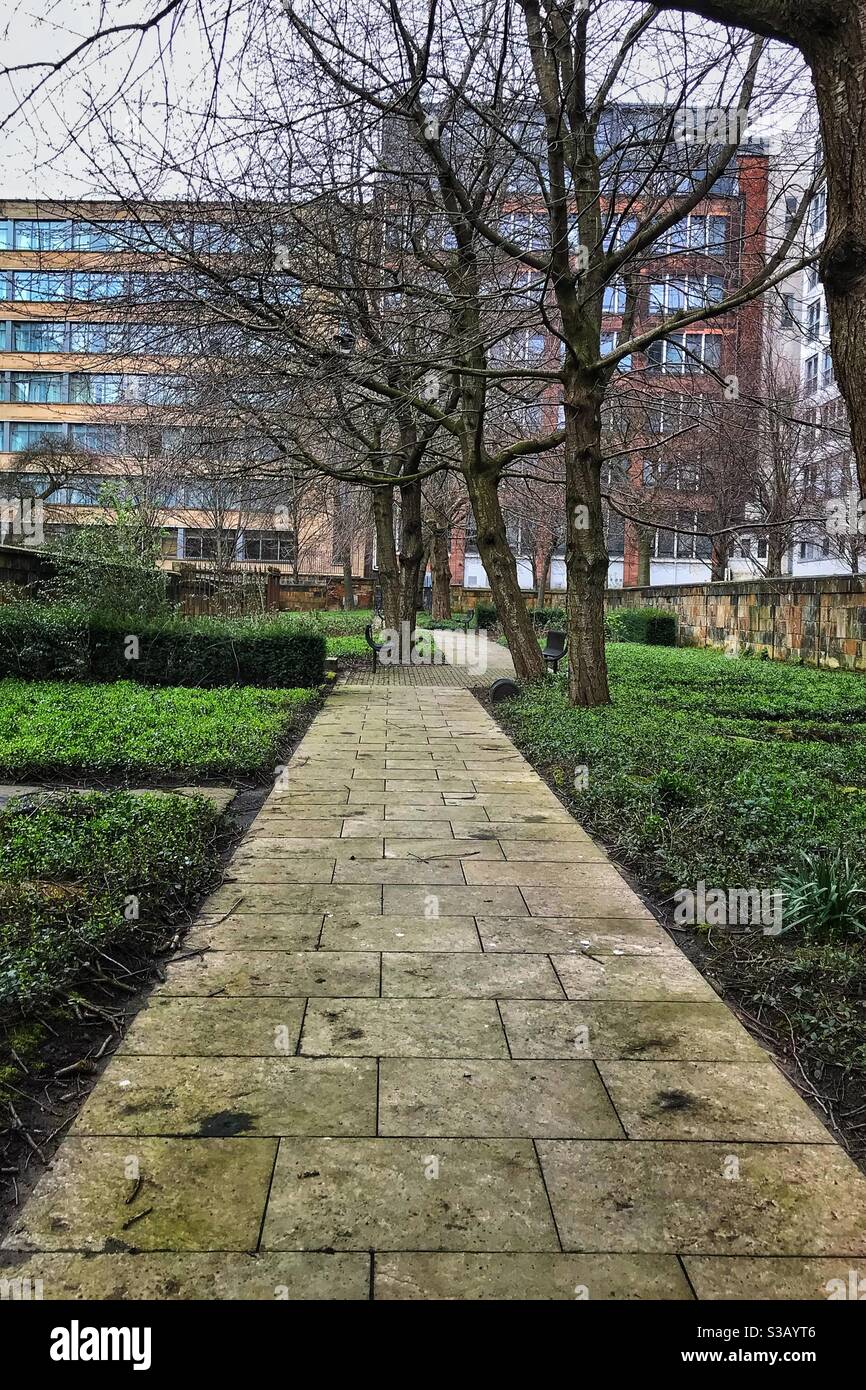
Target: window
97,284
827,377
100,236
608,342
39,286
698,233
33,435
534,346
528,230
202,545
38,337
818,212
99,439
813,321
278,546
812,373
813,277
787,317
79,492
685,292
614,298
97,337
95,388
686,352
41,235
43,388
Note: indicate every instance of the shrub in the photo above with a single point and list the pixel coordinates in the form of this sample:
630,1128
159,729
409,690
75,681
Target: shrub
652,626
825,897
39,641
549,617
485,615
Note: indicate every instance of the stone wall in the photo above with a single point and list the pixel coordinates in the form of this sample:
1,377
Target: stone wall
821,622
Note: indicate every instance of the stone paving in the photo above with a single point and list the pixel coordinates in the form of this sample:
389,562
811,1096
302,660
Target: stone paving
425,1042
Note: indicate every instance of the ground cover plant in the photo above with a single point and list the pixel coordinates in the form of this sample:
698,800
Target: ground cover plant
122,730
744,775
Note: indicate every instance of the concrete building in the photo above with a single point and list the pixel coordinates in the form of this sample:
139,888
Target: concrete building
93,364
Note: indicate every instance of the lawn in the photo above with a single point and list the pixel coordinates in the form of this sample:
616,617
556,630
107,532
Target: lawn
122,730
743,774
85,873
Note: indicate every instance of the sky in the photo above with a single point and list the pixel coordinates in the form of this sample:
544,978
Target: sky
36,155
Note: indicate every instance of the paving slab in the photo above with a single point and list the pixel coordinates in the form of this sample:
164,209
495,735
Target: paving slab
399,934
705,1198
471,1278
223,1098
301,973
406,1194
460,976
255,1026
403,1028
167,1277
148,1194
591,1028
640,936
710,1100
257,931
796,1278
482,1099
661,978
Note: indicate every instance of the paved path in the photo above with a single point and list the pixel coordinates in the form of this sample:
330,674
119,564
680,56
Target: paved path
467,660
431,1045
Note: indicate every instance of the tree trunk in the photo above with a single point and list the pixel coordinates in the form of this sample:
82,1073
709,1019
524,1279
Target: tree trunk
440,569
386,555
501,568
644,559
719,558
586,556
541,577
775,554
838,64
411,552
348,585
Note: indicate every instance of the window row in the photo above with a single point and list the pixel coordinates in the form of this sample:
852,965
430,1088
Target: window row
83,286
136,441
58,335
94,388
56,234
682,353
91,490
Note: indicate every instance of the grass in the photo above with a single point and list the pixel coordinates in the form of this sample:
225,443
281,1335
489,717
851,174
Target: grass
744,774
82,873
122,730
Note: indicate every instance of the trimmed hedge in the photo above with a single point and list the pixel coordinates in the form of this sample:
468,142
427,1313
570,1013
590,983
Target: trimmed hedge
652,626
485,615
38,643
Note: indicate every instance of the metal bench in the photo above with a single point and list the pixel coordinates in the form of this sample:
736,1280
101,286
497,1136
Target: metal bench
557,646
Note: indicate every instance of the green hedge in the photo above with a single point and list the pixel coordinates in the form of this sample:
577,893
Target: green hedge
549,617
653,626
485,615
39,642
